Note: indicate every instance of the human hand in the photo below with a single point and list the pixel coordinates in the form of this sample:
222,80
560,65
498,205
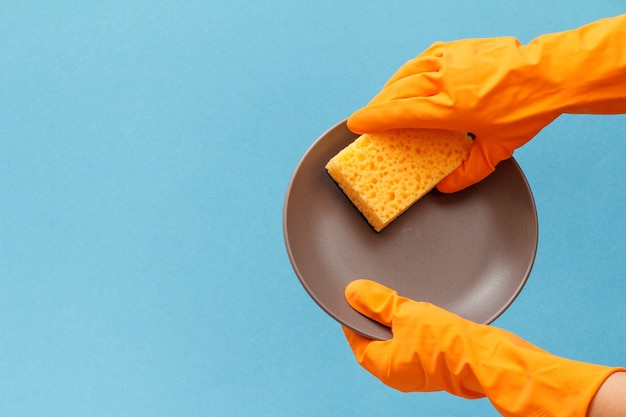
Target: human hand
484,86
501,91
433,350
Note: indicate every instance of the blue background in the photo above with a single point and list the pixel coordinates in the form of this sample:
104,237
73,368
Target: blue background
145,150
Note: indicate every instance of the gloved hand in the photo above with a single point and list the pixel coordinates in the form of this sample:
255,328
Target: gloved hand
501,91
433,349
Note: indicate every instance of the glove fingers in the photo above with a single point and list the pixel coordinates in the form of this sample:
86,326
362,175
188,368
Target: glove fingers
357,342
373,355
420,64
423,84
420,112
354,339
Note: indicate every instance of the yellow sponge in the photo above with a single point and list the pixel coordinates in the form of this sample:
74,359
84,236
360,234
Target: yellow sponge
383,174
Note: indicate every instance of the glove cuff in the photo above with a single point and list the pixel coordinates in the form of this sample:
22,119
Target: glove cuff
562,389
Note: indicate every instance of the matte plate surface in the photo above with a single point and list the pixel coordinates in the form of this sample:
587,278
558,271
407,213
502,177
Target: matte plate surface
469,252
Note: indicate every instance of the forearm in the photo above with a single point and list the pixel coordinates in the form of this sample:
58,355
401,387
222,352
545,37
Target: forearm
610,400
585,67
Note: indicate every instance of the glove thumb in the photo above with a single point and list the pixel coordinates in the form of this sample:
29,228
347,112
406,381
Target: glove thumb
478,165
373,300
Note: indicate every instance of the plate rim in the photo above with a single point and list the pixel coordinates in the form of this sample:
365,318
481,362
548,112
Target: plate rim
511,299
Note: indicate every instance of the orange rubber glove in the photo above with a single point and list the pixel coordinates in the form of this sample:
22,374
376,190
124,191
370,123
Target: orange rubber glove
433,350
501,91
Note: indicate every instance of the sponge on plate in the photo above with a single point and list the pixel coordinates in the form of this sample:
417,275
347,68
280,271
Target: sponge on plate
384,173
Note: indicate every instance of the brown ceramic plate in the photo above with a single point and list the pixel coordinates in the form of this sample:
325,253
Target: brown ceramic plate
469,252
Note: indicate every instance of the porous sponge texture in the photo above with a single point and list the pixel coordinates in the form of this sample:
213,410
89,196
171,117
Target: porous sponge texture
383,174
